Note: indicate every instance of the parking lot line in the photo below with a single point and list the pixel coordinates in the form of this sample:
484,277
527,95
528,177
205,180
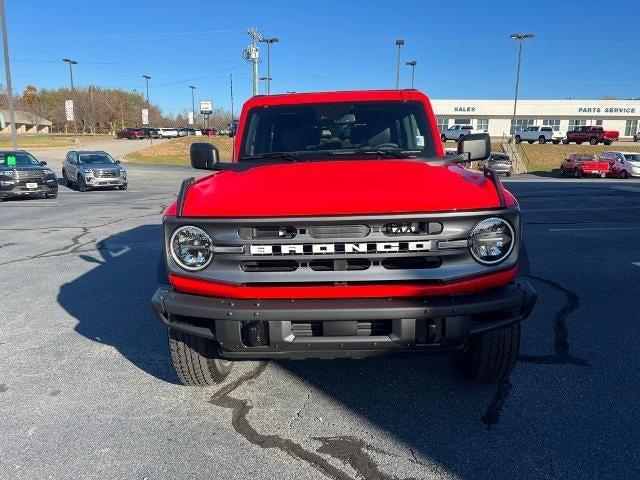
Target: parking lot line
589,229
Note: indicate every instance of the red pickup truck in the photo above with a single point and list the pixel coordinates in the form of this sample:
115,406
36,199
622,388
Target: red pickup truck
594,135
581,165
341,229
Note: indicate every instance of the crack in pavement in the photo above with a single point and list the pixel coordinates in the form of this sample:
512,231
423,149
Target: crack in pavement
353,452
562,355
299,412
348,450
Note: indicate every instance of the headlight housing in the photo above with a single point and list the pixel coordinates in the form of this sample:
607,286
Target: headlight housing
88,171
491,241
191,248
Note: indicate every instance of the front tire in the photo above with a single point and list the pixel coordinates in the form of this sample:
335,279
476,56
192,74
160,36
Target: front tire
518,139
82,186
542,140
593,141
576,173
565,142
491,356
624,175
197,360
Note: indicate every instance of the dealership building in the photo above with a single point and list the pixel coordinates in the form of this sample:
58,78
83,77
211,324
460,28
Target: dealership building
495,116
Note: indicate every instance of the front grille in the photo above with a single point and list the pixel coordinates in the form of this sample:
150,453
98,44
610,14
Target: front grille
105,173
30,175
349,250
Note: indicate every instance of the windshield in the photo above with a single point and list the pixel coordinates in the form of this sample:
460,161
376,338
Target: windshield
632,157
17,159
326,129
93,158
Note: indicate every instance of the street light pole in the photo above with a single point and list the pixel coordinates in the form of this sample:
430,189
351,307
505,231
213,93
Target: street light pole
7,72
399,43
412,64
519,37
193,104
269,42
146,81
73,93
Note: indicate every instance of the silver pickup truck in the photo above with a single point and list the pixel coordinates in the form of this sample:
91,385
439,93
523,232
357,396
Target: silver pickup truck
538,134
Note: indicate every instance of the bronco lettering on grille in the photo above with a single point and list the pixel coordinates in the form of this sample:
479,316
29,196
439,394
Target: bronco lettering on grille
332,248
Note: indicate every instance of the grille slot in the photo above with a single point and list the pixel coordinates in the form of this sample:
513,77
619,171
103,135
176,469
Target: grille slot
270,266
374,328
405,263
339,231
306,329
339,265
266,233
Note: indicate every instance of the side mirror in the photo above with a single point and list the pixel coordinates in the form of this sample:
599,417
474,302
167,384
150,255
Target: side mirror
43,163
117,162
203,156
475,146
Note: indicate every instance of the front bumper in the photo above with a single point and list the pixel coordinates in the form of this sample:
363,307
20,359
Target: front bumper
105,182
18,188
342,327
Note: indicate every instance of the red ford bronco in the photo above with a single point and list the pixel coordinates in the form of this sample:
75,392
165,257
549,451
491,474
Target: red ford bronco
340,229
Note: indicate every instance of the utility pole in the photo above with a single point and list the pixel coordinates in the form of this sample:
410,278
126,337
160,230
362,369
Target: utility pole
412,64
7,72
73,93
519,37
146,82
251,54
193,104
93,111
269,42
399,43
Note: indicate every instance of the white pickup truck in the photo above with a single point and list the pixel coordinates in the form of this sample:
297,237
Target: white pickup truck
538,134
457,131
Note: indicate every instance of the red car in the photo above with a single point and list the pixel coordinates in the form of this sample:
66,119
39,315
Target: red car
581,165
340,229
130,133
209,131
593,135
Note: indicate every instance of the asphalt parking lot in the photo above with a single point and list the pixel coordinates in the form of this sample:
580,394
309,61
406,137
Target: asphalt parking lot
87,390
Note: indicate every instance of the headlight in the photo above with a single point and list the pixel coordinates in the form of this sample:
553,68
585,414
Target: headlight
491,241
88,171
191,248
122,172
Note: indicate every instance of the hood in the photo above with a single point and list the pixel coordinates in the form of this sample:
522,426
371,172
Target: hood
23,167
358,187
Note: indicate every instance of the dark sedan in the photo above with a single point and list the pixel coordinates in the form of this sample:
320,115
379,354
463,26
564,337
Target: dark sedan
21,174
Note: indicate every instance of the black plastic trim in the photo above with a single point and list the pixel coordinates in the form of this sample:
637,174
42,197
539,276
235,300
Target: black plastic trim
184,188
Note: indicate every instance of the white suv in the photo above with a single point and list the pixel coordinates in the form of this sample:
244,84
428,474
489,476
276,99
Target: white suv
538,134
457,131
167,133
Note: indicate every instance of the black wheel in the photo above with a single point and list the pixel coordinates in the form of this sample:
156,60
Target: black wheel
530,142
556,142
635,138
578,143
576,173
624,175
562,171
65,181
565,141
542,140
443,138
518,139
607,142
52,195
197,360
593,141
491,356
82,186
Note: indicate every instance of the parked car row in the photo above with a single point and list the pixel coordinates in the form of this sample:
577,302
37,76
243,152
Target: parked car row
591,134
163,132
607,164
538,134
23,175
457,131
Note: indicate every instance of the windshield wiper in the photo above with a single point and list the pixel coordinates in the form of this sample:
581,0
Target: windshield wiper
271,155
380,152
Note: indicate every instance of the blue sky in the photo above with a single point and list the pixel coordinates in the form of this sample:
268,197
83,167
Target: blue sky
578,51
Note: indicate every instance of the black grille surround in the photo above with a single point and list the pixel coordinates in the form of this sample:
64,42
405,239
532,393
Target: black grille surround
448,258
